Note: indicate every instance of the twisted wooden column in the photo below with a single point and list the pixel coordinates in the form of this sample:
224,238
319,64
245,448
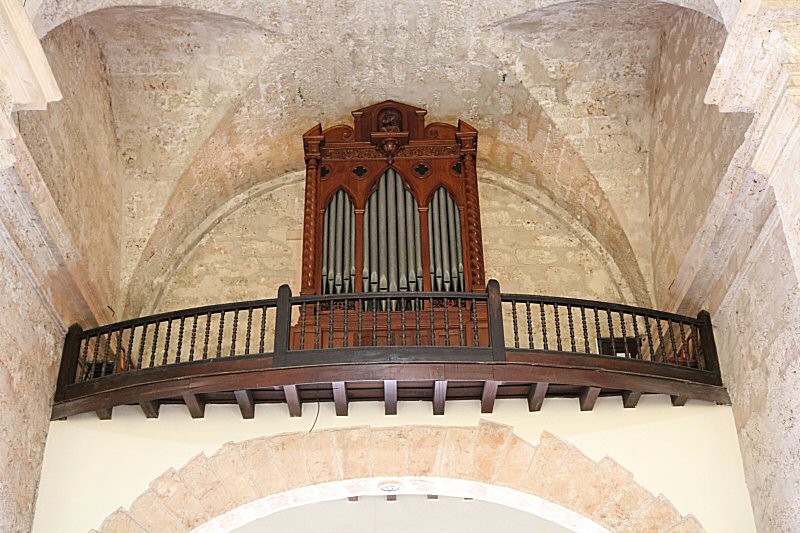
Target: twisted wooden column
309,225
473,222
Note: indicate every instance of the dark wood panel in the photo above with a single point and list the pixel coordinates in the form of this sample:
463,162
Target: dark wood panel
150,408
293,400
630,399
536,396
195,404
588,397
488,396
390,396
246,403
414,381
340,397
439,397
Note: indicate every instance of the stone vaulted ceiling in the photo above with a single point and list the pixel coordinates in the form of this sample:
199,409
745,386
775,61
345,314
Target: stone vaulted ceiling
210,99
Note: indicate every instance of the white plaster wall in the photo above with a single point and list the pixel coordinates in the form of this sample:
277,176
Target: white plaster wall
689,454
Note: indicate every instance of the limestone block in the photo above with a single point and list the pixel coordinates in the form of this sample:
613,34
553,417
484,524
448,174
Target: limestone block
424,449
121,522
149,511
492,441
456,457
656,517
629,501
389,449
287,452
266,477
320,456
562,474
201,480
353,452
178,498
513,466
228,466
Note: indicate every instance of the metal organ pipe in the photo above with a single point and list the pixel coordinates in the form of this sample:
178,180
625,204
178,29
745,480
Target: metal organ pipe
444,241
402,249
338,252
436,245
391,238
392,241
383,271
447,260
391,228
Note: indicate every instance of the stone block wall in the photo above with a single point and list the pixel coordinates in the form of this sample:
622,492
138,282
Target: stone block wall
30,348
691,144
530,247
758,332
75,148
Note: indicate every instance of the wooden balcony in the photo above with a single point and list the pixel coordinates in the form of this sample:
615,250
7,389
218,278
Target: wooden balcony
389,347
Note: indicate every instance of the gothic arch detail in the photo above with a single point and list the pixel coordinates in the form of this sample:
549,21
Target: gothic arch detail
244,480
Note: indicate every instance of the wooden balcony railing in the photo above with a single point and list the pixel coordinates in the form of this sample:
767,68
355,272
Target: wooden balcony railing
388,346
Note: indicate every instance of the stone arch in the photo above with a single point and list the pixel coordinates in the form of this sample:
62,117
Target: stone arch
245,480
51,13
187,250
230,163
258,139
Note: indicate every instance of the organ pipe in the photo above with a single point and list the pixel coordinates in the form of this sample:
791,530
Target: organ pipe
338,250
391,238
446,248
392,241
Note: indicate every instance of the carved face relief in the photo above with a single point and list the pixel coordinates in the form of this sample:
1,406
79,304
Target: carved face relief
390,120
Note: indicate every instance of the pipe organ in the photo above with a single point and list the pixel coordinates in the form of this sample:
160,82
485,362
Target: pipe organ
392,238
391,206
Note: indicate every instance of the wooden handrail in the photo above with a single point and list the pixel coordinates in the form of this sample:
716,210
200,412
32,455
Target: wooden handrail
511,345
431,322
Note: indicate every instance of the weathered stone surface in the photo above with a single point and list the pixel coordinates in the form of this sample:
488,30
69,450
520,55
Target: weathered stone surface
610,495
390,451
150,512
320,457
513,465
257,458
659,515
229,468
760,365
456,455
74,144
691,145
121,522
629,502
353,452
288,454
560,473
178,498
491,444
30,343
200,479
427,443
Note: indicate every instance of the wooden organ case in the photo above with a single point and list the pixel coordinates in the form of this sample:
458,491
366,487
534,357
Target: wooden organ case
391,206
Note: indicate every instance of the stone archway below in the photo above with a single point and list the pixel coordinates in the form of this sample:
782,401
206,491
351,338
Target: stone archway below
247,480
